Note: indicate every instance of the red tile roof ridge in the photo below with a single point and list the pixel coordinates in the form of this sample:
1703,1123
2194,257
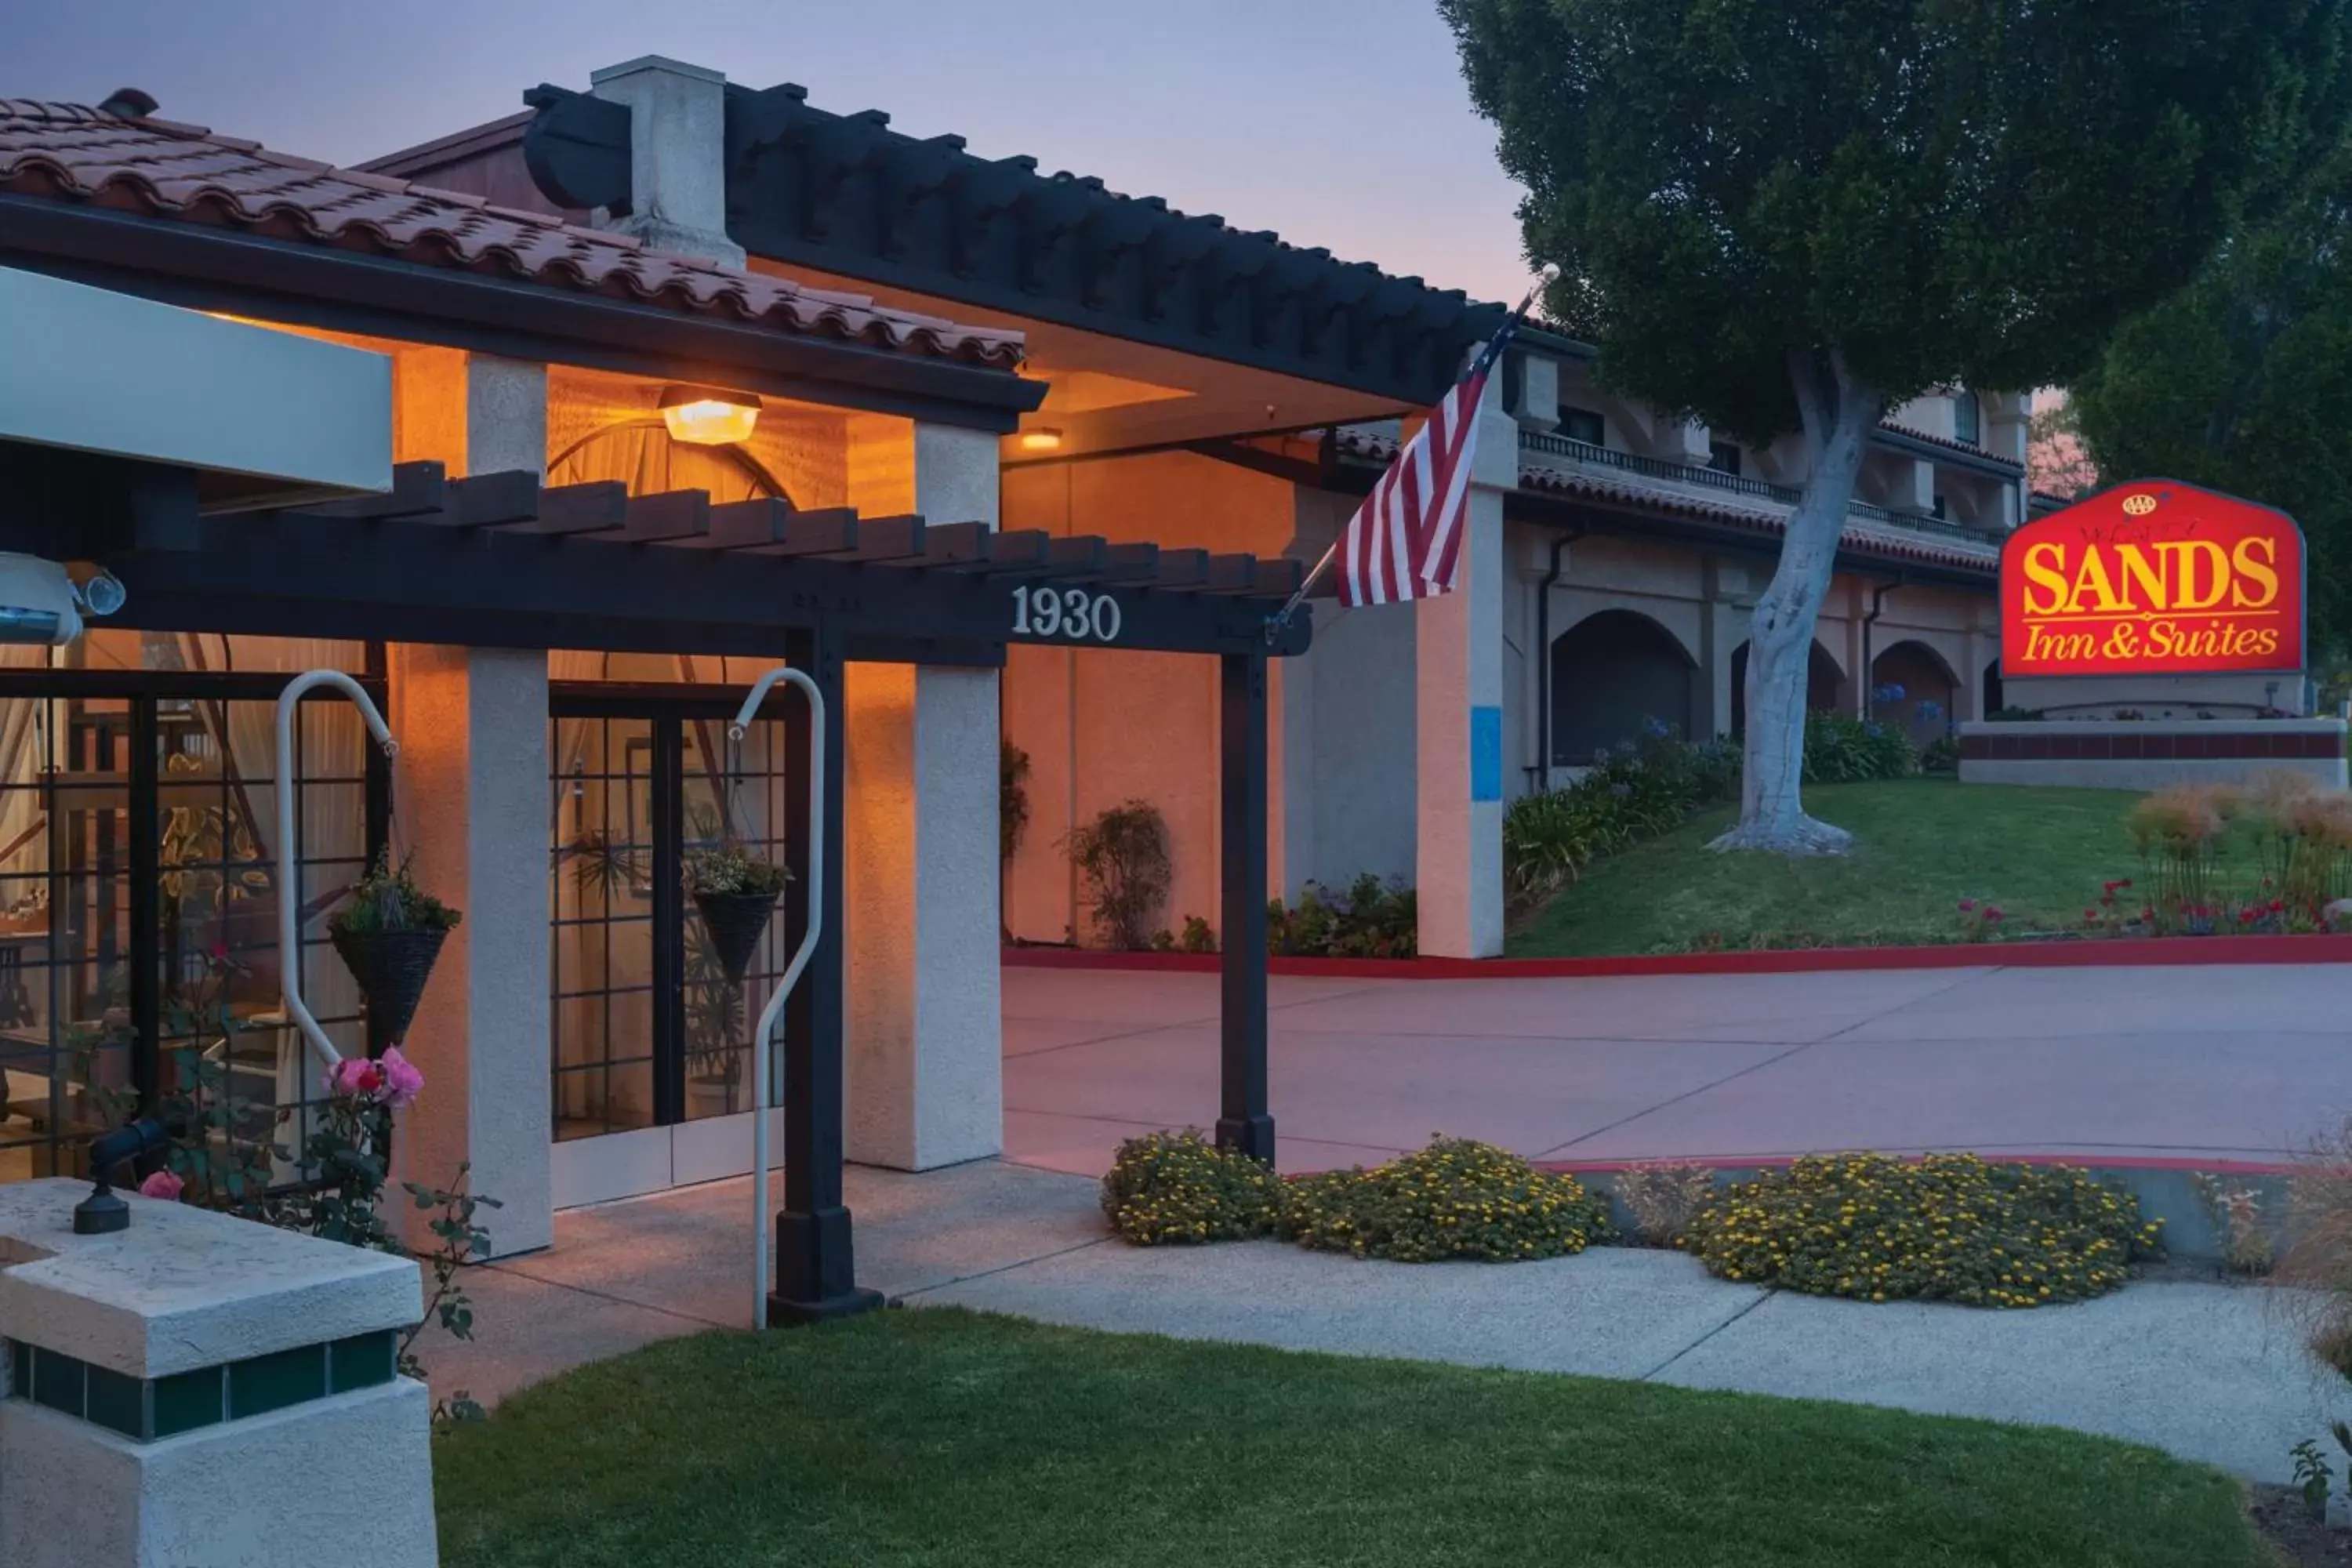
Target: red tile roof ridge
1541,477
190,173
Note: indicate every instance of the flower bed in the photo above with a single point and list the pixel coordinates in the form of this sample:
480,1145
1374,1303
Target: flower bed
1950,1228
1455,1199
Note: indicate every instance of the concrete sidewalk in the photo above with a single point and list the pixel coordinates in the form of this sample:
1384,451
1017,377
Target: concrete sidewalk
2203,1369
2206,1063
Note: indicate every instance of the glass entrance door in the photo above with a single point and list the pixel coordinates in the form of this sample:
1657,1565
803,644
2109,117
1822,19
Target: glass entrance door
648,1031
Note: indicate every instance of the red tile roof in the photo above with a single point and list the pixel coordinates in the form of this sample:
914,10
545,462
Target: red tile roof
1889,541
1970,448
160,169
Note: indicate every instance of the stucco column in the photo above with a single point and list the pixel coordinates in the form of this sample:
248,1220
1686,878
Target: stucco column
470,799
925,1068
1976,652
1723,627
471,803
1458,720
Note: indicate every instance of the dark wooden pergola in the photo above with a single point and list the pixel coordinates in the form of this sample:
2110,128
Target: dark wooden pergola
502,560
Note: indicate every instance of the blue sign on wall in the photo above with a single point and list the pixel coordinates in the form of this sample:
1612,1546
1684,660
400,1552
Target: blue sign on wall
1486,753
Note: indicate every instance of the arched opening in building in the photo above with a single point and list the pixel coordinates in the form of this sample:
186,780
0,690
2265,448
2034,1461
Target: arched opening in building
1912,689
1616,675
1824,686
640,453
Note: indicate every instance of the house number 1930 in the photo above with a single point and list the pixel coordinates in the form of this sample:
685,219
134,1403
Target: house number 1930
1071,613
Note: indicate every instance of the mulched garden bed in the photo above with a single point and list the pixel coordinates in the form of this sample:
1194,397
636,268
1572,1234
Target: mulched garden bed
2300,1541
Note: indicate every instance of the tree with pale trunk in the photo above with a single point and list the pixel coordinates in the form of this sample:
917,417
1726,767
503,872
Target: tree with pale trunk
1795,214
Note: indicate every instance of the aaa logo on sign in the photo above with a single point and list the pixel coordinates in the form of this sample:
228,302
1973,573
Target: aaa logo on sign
2155,578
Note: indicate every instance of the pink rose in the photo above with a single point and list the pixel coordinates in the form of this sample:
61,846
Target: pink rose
390,1080
356,1077
403,1082
162,1184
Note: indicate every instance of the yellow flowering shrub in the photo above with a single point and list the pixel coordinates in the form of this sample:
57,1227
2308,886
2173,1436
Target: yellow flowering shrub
1171,1188
1951,1227
1455,1199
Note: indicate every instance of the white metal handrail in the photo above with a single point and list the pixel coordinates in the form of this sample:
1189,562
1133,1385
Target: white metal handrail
290,881
761,1036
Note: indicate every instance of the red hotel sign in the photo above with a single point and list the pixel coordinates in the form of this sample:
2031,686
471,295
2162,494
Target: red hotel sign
2153,578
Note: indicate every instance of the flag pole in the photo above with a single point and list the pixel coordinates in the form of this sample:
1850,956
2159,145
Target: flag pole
1280,619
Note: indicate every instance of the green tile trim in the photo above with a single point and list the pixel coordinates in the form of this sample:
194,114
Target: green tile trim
364,1361
147,1410
115,1402
268,1382
187,1400
60,1382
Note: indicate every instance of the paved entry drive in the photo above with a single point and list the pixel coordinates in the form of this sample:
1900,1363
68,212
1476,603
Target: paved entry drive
2190,1063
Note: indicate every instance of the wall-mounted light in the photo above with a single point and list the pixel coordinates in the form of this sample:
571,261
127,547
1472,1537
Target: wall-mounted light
1041,441
708,416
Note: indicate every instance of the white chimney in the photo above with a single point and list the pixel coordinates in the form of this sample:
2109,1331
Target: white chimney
677,155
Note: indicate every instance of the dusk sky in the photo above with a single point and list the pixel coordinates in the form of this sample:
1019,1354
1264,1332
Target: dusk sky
1342,123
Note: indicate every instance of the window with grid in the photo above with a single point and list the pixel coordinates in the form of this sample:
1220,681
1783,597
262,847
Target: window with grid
139,897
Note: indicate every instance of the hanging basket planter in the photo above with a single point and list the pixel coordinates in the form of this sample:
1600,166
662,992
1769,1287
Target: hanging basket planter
392,967
735,892
736,922
389,936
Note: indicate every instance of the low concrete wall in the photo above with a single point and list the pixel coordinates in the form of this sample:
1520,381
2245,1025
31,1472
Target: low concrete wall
2145,755
181,1395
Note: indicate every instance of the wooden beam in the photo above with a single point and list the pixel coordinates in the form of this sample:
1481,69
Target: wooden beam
1021,551
416,488
1230,574
1244,1116
1182,568
595,508
1277,577
671,515
949,543
772,528
489,500
1130,563
882,538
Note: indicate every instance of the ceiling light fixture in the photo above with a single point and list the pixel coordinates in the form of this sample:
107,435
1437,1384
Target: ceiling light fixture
708,416
1045,440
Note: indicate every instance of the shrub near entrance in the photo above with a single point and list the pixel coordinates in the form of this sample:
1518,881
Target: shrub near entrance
1456,1198
1172,1188
1950,1228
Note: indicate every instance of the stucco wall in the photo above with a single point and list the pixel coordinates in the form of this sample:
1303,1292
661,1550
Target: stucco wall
1347,739
1704,604
1104,726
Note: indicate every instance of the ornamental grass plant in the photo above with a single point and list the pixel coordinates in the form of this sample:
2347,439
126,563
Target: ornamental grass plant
1178,1188
1950,1228
1455,1199
2313,1262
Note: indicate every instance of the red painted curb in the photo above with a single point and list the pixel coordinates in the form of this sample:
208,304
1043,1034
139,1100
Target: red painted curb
2088,953
2081,1162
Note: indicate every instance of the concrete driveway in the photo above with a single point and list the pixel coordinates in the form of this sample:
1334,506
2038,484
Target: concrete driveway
2206,1063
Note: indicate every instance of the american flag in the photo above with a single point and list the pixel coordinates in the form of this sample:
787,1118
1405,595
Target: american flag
1405,540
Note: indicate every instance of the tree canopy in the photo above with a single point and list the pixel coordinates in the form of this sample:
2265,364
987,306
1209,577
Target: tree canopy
2242,381
1937,190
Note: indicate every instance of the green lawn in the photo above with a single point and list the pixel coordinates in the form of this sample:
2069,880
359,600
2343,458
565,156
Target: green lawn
941,1437
1921,845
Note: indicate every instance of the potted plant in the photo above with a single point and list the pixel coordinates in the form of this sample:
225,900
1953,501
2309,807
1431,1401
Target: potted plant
389,936
736,891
